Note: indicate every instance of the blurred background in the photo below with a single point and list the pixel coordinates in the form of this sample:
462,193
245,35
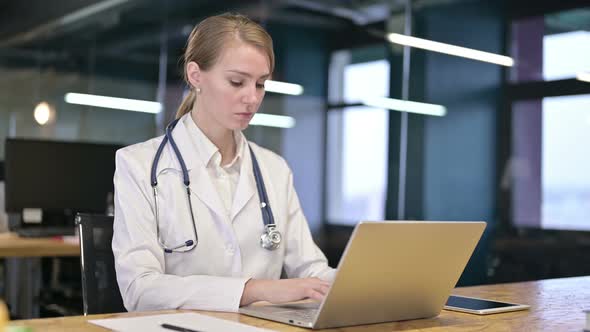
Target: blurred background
507,147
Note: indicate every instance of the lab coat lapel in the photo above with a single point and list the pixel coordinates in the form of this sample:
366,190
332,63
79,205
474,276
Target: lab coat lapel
202,186
200,182
246,184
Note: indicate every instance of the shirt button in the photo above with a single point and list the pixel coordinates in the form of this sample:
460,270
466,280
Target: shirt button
229,249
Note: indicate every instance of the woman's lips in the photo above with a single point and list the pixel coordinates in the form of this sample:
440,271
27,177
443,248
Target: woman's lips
245,115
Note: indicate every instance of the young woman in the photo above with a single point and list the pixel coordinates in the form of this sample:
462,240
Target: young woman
205,219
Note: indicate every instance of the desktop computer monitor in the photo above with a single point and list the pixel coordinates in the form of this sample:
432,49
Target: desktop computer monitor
57,178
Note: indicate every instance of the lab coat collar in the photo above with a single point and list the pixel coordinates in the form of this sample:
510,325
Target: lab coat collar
208,152
246,184
182,140
201,184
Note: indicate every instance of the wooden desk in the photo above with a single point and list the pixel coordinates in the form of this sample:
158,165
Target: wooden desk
12,245
556,305
23,269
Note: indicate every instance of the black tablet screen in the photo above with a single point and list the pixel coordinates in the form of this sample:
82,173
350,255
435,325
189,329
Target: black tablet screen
475,304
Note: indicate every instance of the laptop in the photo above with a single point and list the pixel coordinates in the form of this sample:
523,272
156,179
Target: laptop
390,271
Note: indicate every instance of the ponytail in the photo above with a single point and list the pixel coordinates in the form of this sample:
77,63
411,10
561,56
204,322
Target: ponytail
187,104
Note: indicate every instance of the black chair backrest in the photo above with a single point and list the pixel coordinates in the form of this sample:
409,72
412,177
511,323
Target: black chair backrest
100,290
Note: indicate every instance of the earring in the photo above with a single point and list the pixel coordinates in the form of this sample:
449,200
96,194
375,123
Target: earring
198,90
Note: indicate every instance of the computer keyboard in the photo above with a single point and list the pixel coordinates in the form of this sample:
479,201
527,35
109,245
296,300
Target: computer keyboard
301,314
45,231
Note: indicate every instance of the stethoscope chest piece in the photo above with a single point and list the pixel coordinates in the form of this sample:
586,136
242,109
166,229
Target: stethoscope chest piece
271,238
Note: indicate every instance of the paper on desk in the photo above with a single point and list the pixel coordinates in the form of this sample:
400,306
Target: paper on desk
189,320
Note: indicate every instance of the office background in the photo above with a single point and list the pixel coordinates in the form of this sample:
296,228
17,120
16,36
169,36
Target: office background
510,149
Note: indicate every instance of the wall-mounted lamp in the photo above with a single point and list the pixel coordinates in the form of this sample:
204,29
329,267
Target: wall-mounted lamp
44,113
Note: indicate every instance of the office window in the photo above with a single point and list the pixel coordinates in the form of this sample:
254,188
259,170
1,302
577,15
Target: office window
551,47
546,172
357,144
565,163
550,163
566,54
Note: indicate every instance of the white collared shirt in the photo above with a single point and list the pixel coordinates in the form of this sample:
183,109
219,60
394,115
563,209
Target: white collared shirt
225,178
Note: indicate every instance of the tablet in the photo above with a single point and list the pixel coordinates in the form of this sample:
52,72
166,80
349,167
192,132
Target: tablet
481,306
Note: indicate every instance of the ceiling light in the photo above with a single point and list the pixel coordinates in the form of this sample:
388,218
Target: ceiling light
406,106
450,49
282,87
134,105
584,76
271,120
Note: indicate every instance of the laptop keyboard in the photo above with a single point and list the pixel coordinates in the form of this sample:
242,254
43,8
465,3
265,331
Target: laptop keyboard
301,314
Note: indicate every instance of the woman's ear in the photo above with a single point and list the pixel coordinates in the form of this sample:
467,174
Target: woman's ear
193,74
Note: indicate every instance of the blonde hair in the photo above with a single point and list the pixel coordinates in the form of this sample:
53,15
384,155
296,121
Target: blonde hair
207,41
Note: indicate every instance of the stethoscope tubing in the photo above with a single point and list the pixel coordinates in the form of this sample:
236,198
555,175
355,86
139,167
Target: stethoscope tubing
267,215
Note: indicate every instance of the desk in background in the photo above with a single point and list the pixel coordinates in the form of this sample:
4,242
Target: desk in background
556,305
23,269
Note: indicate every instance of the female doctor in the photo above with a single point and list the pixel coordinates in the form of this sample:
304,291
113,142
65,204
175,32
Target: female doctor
205,219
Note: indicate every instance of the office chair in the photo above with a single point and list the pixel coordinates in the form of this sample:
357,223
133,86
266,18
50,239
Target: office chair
100,291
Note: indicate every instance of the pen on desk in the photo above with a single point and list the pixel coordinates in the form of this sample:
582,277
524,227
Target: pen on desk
177,328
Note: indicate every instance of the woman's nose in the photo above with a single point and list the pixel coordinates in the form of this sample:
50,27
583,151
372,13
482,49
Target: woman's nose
252,95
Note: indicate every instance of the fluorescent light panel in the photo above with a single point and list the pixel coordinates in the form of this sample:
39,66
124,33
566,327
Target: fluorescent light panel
134,105
407,106
450,49
282,87
271,120
584,76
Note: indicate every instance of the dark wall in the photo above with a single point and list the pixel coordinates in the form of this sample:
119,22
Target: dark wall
301,57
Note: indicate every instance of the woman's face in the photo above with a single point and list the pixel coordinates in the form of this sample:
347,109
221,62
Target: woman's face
232,90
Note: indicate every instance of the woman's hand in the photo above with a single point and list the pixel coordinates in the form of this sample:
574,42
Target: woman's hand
284,290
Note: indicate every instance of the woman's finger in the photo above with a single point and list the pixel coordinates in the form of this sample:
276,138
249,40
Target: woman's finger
315,295
324,289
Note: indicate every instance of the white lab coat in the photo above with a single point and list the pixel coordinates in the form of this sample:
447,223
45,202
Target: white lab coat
212,276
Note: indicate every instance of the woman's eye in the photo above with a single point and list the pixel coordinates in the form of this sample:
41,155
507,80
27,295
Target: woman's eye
260,86
236,84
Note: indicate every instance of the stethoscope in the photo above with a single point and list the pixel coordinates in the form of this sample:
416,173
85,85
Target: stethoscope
270,238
